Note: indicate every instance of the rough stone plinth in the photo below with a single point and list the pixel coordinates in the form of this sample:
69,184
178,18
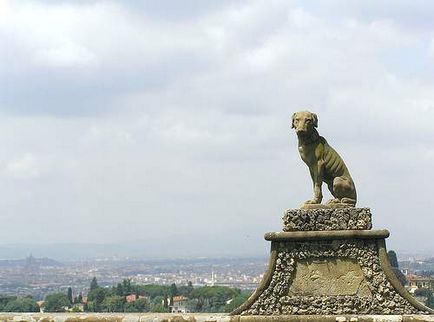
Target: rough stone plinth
329,262
327,219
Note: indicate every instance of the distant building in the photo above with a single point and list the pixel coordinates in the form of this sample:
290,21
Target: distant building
178,305
131,298
416,282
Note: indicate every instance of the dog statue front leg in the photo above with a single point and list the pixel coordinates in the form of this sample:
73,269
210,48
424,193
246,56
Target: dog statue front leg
317,196
316,175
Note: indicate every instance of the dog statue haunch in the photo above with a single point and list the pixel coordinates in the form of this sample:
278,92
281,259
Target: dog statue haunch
325,164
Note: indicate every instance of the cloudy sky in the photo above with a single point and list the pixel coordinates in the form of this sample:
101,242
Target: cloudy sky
140,121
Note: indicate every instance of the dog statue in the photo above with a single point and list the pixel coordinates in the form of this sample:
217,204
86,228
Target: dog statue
325,164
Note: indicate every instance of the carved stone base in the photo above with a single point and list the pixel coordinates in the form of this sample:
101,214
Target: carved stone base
330,272
327,219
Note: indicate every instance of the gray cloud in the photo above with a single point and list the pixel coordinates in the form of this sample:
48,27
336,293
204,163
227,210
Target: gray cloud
141,121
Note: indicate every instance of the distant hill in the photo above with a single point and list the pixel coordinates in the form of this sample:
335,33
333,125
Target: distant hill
178,246
41,262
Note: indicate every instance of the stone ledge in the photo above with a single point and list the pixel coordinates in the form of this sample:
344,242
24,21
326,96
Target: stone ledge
330,235
202,317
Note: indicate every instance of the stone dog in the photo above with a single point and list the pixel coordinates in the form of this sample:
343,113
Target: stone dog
325,164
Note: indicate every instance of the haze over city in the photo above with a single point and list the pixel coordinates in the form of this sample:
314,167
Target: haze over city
162,128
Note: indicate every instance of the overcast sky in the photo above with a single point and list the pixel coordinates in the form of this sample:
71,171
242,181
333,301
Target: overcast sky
136,121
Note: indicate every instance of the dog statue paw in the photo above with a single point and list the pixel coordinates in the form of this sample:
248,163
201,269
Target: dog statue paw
313,202
333,201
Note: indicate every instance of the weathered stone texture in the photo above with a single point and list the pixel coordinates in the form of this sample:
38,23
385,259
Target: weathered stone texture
378,296
329,277
327,219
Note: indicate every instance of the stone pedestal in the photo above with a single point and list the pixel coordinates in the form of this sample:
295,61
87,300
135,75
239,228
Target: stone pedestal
329,262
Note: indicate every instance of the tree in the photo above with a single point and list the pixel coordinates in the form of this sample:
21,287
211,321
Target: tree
130,307
165,301
430,300
97,296
212,298
185,289
393,259
22,304
119,290
158,308
422,292
173,290
56,302
126,286
113,304
76,309
142,305
190,287
4,300
93,284
69,294
152,290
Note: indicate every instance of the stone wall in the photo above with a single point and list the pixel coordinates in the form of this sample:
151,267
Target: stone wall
201,317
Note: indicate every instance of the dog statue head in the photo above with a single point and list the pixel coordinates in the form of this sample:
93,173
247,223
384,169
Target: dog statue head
304,122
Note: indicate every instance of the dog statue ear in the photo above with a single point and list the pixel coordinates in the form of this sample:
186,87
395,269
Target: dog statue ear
292,120
315,120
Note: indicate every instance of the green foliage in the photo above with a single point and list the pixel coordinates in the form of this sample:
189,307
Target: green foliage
211,298
157,300
93,284
236,302
401,277
430,300
119,290
56,302
126,286
91,306
101,299
4,300
79,299
422,292
151,290
173,290
142,305
130,307
96,297
393,259
69,295
185,289
21,304
166,302
76,309
159,308
113,304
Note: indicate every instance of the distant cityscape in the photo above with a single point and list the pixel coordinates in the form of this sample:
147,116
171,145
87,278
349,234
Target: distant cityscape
40,276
